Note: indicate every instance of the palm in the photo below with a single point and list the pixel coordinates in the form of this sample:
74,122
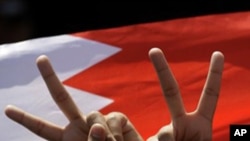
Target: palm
184,127
74,131
77,129
192,127
196,125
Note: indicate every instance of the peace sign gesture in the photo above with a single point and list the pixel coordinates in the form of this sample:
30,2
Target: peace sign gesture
92,127
194,126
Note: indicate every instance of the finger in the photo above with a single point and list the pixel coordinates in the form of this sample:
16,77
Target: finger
209,98
38,126
98,118
115,124
97,133
168,83
166,133
58,92
153,138
165,137
121,128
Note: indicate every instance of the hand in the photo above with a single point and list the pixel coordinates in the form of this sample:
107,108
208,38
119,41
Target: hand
194,126
93,127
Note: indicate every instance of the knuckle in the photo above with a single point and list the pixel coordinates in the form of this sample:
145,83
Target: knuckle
39,128
116,116
118,137
216,72
211,92
61,96
171,91
91,117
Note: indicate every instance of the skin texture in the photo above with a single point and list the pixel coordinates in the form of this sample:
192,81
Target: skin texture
92,127
194,126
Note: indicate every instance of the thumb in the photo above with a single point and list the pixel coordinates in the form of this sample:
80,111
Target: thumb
97,133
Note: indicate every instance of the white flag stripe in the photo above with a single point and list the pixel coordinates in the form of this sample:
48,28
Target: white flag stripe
22,85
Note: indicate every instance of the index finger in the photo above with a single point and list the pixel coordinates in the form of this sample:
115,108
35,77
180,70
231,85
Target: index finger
168,83
58,92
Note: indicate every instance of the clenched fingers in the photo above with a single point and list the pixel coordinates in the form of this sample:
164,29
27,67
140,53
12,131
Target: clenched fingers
121,128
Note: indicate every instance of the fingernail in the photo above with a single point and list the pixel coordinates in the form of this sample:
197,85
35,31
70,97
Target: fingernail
97,132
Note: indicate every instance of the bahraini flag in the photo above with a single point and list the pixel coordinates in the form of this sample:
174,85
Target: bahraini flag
109,70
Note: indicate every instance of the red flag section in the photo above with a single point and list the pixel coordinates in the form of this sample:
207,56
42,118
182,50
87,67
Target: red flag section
129,79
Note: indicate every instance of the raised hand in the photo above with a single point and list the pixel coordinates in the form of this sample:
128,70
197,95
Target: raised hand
93,127
194,126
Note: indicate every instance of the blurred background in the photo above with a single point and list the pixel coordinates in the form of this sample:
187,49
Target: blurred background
27,19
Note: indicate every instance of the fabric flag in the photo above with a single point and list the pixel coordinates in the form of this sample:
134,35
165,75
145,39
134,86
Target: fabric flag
109,70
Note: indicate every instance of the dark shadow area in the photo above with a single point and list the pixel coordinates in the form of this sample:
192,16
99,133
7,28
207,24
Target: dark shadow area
46,18
16,22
